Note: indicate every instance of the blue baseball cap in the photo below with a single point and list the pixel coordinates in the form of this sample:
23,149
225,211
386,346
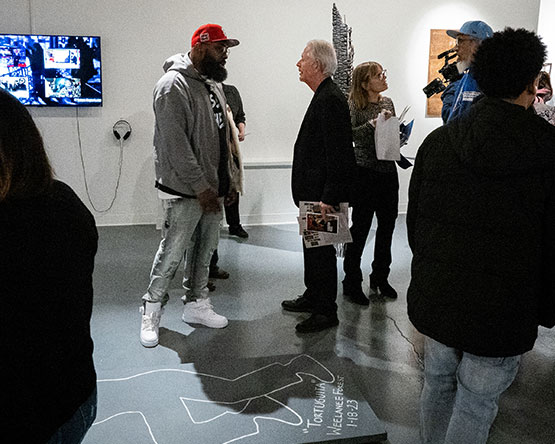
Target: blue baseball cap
475,29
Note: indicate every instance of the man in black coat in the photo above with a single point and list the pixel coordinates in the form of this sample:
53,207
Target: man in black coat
481,225
323,164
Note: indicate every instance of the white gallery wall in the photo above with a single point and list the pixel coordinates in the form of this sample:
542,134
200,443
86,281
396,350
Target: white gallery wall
138,35
546,29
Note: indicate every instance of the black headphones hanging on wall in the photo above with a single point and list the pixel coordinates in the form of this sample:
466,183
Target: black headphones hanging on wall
122,129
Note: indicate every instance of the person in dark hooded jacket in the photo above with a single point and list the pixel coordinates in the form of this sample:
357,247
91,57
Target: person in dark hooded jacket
481,226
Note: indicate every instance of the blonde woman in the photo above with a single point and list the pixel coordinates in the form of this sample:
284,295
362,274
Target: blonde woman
377,186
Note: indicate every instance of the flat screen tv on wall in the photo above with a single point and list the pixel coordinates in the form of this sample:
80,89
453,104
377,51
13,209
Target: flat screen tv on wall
51,70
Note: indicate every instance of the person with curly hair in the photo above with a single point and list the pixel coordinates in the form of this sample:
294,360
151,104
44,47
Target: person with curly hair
481,226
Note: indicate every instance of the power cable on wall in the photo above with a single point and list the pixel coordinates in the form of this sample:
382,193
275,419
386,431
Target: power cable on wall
121,125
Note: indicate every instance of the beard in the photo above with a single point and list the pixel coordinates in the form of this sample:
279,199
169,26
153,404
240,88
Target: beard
462,66
212,69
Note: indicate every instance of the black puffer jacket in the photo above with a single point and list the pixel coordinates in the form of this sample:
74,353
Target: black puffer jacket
481,225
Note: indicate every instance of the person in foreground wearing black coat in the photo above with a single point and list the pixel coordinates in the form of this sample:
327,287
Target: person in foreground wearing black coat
48,241
323,164
481,225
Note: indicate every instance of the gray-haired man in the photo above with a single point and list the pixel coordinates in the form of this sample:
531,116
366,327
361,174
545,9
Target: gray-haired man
323,165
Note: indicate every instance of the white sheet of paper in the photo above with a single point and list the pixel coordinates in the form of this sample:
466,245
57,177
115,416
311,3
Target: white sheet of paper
387,138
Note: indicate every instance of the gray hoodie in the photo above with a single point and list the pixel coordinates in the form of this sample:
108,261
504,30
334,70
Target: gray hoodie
186,138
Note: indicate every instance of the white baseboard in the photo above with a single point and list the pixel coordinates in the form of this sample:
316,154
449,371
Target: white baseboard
269,219
103,220
110,220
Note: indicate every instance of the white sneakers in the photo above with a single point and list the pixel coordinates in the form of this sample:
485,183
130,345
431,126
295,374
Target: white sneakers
201,312
151,314
198,312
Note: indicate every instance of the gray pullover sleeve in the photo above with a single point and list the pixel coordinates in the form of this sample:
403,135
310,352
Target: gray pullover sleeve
174,124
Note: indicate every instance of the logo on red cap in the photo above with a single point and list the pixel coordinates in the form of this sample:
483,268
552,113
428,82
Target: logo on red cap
211,33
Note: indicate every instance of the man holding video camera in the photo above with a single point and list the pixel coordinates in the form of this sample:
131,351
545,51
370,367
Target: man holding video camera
460,94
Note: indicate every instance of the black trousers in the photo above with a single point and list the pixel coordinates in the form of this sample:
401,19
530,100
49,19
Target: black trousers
376,193
214,262
232,213
232,219
320,278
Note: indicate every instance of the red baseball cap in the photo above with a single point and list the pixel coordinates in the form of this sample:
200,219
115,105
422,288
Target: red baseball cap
211,33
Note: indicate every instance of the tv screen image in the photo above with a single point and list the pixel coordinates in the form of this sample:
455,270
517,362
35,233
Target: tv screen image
51,70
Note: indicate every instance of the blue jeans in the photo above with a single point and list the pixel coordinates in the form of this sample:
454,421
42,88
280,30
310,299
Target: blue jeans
186,228
460,394
74,430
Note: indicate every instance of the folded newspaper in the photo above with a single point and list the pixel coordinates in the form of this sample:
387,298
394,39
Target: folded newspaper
318,232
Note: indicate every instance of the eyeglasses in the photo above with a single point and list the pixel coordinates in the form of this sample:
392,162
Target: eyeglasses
464,39
219,48
382,75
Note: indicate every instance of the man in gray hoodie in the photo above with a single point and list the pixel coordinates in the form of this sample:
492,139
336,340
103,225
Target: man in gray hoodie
192,176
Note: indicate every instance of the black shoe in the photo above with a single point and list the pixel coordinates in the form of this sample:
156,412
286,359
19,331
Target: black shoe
317,322
354,293
301,304
218,273
238,231
210,286
357,297
384,289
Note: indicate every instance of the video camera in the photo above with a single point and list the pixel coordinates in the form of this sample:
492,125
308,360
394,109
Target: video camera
449,72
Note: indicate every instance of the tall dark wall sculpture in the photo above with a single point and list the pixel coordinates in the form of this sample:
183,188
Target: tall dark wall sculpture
344,50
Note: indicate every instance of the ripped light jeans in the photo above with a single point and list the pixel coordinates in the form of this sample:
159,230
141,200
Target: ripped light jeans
186,228
460,394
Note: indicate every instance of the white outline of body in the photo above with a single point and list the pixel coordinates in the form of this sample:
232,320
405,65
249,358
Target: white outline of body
246,400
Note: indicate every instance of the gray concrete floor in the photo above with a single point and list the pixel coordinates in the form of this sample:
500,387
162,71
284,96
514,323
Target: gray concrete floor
265,269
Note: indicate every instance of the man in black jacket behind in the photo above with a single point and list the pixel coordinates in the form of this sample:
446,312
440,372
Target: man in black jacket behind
481,225
323,164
